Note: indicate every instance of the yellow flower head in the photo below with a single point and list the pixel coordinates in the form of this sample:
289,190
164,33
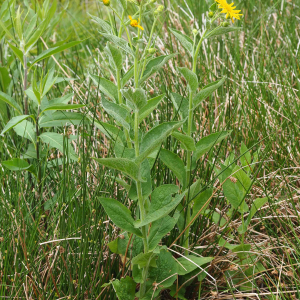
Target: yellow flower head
106,2
229,10
135,23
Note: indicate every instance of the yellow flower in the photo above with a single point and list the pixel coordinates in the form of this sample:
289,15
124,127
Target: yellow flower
229,10
135,23
106,2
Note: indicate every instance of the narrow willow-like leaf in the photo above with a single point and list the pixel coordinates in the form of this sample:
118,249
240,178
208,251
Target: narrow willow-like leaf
60,118
127,76
206,92
14,121
186,41
187,141
10,101
155,137
63,107
104,25
154,65
120,215
175,164
56,140
17,52
53,51
221,31
117,112
123,44
125,288
190,77
35,36
106,87
160,213
149,107
30,27
124,165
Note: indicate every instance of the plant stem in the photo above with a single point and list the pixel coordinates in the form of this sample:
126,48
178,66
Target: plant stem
189,154
25,84
136,58
141,203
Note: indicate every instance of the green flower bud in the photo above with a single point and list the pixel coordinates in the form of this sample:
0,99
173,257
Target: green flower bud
225,24
159,9
211,14
195,31
151,50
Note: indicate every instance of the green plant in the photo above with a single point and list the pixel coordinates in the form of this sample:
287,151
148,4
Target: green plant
153,220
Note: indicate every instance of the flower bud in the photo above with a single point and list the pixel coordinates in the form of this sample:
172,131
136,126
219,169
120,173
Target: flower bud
152,1
159,9
151,50
211,14
106,2
225,24
195,31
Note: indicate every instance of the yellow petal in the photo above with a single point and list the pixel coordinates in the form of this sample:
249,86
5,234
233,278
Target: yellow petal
139,26
130,18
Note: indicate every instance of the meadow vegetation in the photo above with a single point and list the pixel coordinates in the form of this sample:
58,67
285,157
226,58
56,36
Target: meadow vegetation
149,149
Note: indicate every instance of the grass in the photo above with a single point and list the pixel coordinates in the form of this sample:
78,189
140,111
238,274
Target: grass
259,102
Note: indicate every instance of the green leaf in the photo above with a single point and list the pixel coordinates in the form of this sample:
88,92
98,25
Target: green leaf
201,202
149,107
120,215
136,97
117,112
190,77
60,118
154,137
5,28
26,130
160,205
56,140
53,51
245,157
159,229
104,25
127,76
208,142
14,121
125,288
17,52
189,263
256,205
106,87
115,56
243,180
10,101
220,31
30,27
119,245
110,131
63,107
187,141
154,65
186,41
207,91
123,44
146,186
35,36
166,267
175,164
124,165
16,164
144,259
